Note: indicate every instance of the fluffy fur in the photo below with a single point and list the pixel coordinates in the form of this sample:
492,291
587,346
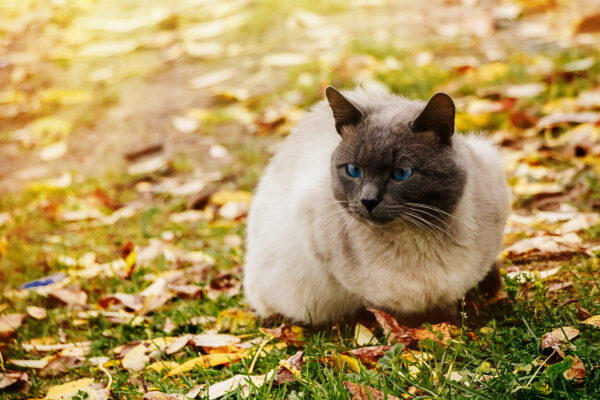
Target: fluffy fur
311,258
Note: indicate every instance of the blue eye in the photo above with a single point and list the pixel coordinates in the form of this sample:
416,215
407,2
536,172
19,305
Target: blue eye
402,174
353,171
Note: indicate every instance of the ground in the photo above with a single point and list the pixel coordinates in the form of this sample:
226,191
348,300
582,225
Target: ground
132,134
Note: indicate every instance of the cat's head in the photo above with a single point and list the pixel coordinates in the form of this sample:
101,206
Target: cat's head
396,160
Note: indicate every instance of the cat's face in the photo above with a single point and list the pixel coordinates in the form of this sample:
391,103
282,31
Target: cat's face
382,172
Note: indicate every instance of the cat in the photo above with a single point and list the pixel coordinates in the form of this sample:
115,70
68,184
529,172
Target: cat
373,201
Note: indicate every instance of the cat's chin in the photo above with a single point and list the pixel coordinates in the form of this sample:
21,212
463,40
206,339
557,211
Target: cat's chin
375,220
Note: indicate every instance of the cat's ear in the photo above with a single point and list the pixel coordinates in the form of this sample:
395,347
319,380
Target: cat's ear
344,112
437,116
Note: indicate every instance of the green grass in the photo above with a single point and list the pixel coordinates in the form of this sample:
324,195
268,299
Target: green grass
496,352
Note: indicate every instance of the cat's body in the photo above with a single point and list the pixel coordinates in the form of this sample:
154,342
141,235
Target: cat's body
313,257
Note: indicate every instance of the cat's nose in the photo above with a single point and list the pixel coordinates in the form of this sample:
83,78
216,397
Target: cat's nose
369,204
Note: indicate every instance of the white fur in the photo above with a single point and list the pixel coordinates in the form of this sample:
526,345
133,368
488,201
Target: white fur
312,262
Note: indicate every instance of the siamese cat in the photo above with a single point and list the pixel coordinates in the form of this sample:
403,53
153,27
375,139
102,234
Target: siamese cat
372,200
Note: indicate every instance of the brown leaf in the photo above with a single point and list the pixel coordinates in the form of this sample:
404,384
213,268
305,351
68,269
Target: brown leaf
545,248
290,334
9,323
366,392
552,340
589,24
392,329
409,336
131,302
71,296
556,286
62,364
369,355
576,371
582,313
9,378
290,369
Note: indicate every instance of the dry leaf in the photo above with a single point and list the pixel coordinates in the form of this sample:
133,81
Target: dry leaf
9,378
207,361
392,329
369,355
595,320
9,323
70,296
214,340
589,24
159,366
576,371
552,340
132,302
136,358
61,364
293,335
290,369
366,392
342,362
35,364
545,248
363,336
36,312
67,390
220,389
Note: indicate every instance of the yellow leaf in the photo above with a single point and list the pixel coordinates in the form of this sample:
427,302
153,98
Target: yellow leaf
50,127
226,196
232,319
65,390
159,366
207,361
469,122
595,320
342,362
363,335
62,96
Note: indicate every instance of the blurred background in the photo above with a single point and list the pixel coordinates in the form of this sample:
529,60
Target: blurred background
205,87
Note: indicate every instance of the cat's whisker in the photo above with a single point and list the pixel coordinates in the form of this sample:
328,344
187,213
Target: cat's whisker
437,218
436,209
424,224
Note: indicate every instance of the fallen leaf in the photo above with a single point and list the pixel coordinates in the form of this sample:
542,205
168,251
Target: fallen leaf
576,371
589,24
160,366
556,286
369,355
553,339
342,362
207,361
35,364
220,389
595,321
545,248
392,329
136,358
366,392
290,369
580,222
575,118
70,296
214,340
9,378
61,364
363,336
34,345
9,323
162,396
131,302
70,389
293,335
